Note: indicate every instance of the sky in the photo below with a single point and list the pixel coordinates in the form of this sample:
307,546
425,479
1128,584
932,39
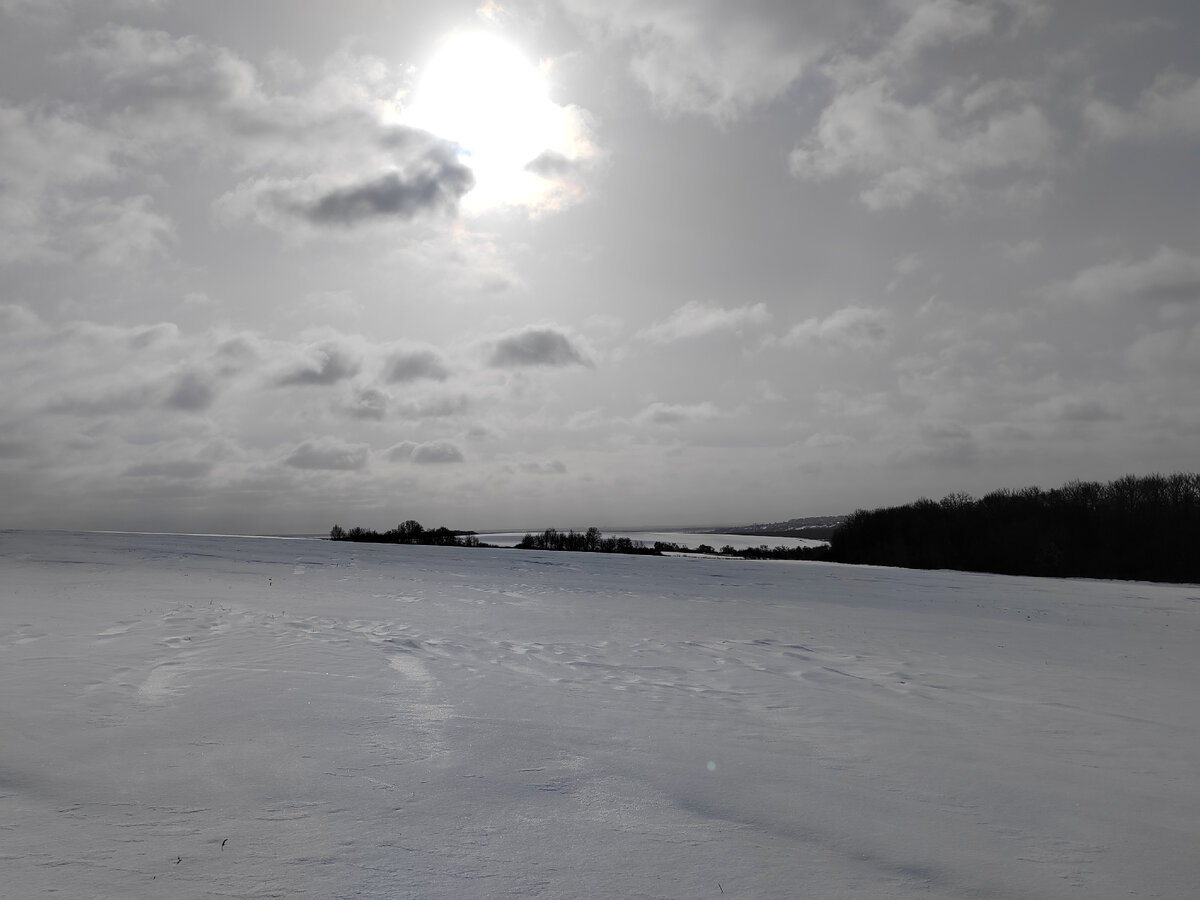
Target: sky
267,267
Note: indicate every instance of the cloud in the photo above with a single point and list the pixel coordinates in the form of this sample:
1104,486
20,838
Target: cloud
713,59
437,452
1072,409
849,328
1168,276
676,413
322,364
401,452
937,22
16,450
55,12
1163,352
416,364
121,232
147,66
908,128
182,96
536,346
837,403
551,164
1170,108
1021,251
695,319
179,468
942,443
554,467
827,440
936,149
193,392
17,319
51,164
587,419
433,407
432,453
435,186
123,397
368,403
328,453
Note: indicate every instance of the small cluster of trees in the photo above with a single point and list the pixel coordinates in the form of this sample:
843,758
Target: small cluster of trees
407,532
1143,528
590,541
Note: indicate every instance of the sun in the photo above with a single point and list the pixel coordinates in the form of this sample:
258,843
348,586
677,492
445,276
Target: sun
480,92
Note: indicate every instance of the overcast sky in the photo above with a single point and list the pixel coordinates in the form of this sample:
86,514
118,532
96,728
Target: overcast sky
270,266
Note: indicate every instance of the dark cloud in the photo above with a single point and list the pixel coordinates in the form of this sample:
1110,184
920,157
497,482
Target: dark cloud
434,185
103,403
676,413
326,364
328,453
432,453
179,468
946,443
436,452
15,450
401,452
192,393
369,403
415,365
536,347
1074,410
551,165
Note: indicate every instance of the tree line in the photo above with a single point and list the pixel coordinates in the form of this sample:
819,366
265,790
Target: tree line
593,541
762,551
590,541
1143,528
407,532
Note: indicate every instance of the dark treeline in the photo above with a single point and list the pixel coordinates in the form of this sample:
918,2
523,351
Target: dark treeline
590,541
1140,528
409,532
593,541
762,551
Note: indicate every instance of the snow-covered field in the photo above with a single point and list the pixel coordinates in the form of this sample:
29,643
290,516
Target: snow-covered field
233,717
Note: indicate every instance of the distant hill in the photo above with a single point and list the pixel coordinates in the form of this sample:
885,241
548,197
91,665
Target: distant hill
815,527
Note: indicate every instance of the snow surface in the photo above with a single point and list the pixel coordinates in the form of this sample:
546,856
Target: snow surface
233,717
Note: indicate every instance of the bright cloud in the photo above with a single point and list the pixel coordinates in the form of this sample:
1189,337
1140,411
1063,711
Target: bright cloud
717,60
849,328
694,319
935,149
1167,276
1168,109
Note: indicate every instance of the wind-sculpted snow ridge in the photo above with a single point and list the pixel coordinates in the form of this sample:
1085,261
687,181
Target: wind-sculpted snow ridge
194,717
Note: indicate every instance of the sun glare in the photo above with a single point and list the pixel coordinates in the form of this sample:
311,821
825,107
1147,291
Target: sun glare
481,93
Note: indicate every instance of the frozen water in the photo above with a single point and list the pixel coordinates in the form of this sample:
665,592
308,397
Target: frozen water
235,717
